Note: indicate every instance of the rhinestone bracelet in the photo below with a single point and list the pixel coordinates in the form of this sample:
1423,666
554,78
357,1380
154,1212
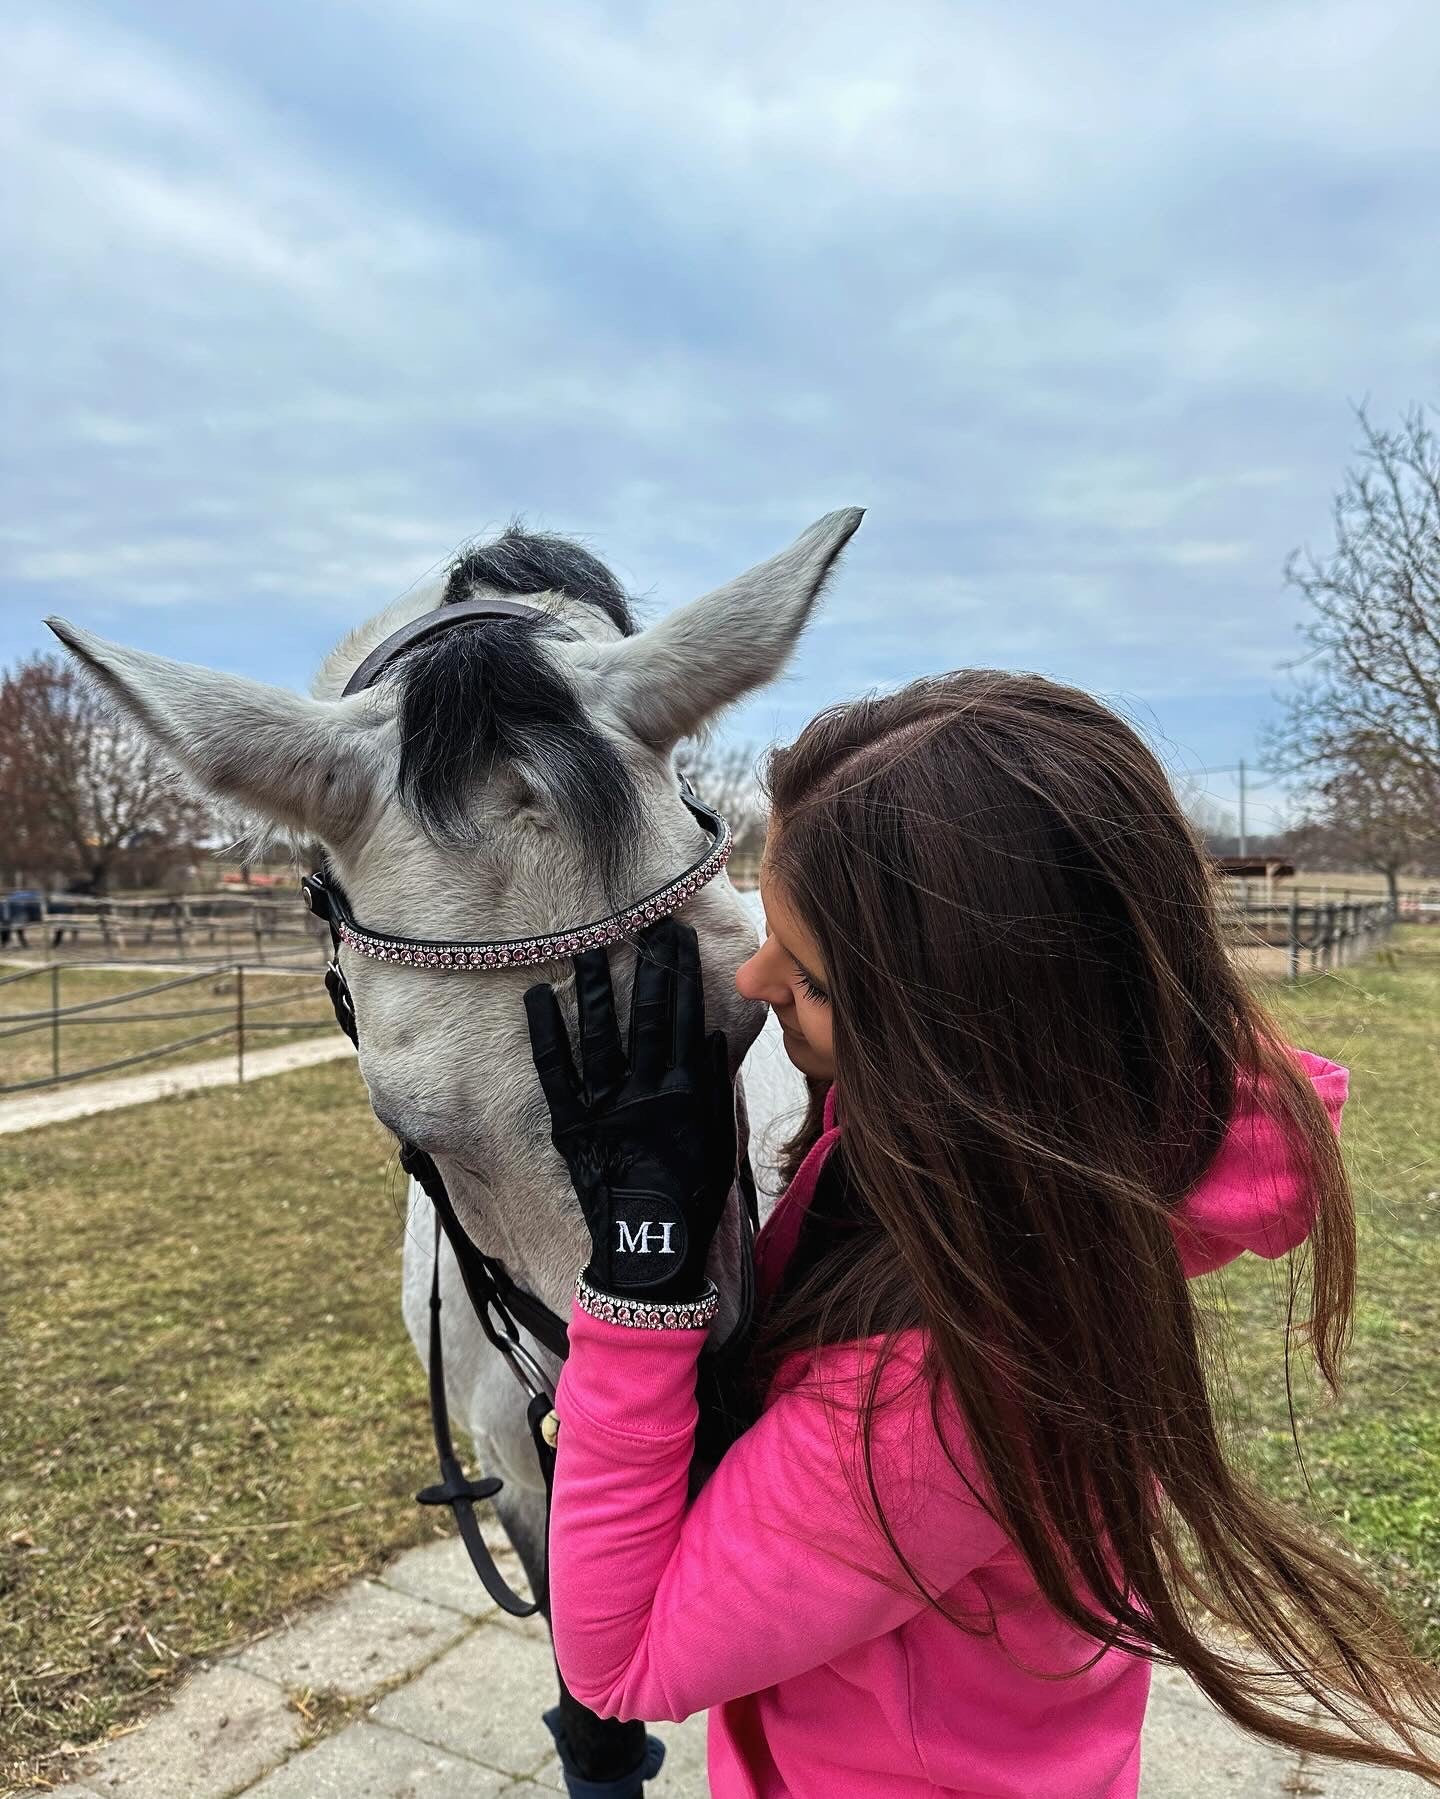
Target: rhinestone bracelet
648,1314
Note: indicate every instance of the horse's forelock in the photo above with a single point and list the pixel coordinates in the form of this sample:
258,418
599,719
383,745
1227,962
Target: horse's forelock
489,695
526,562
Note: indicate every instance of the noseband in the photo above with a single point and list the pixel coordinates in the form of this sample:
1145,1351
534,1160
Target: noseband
501,1305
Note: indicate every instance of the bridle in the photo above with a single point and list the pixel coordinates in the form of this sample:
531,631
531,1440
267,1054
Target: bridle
501,1305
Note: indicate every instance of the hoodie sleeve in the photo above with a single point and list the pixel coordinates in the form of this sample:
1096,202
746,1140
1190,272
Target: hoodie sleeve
1253,1196
661,1608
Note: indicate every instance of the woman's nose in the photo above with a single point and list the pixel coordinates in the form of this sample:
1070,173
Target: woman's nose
757,978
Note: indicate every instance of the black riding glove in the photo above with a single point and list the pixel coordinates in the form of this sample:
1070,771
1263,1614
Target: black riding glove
648,1137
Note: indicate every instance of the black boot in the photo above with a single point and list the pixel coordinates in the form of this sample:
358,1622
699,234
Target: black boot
629,1785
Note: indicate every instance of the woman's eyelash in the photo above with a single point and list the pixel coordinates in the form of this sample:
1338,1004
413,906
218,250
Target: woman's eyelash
813,988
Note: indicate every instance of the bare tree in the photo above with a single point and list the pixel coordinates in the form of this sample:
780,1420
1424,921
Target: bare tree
1214,823
1373,624
79,787
1372,810
237,833
725,777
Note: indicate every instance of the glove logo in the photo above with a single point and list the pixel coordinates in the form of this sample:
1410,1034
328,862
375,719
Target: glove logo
629,1241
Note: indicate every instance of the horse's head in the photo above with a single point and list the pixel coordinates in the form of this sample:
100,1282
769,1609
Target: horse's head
511,777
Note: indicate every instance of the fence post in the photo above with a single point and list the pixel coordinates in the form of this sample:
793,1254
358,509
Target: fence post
1293,946
240,1022
55,1020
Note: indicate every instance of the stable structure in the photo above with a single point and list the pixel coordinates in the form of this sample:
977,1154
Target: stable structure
1243,870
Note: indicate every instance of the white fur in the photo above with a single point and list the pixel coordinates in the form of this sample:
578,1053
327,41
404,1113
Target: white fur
445,1056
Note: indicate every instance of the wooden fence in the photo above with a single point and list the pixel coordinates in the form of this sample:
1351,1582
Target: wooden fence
1314,937
255,927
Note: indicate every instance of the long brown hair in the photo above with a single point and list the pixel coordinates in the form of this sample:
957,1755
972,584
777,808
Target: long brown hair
1038,1039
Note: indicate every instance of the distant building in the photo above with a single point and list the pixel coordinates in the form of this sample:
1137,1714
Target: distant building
1255,868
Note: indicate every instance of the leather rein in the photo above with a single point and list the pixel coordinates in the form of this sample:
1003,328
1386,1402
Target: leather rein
501,1305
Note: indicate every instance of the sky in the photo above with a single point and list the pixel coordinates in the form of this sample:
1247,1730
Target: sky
1078,299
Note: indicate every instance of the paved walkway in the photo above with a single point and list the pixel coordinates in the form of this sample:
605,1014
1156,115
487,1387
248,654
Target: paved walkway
436,1694
53,1104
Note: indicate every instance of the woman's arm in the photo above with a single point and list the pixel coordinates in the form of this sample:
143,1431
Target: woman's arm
779,1565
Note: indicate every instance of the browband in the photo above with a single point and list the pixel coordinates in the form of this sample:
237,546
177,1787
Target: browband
324,898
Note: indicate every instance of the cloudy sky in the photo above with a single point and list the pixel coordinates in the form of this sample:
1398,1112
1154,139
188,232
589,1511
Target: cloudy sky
1076,298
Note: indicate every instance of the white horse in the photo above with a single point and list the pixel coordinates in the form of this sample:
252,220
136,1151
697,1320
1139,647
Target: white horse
511,778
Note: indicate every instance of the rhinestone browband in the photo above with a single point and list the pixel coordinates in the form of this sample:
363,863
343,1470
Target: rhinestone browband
553,946
648,1314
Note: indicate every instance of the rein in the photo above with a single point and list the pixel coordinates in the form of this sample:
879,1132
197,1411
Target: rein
501,1305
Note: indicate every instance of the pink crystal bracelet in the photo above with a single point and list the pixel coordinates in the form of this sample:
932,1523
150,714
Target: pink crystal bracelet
648,1314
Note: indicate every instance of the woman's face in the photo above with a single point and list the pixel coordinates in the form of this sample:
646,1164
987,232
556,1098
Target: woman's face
788,973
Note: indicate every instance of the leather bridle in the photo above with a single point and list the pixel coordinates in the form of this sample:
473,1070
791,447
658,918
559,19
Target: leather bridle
501,1305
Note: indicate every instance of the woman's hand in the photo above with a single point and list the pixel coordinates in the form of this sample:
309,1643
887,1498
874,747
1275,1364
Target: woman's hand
648,1136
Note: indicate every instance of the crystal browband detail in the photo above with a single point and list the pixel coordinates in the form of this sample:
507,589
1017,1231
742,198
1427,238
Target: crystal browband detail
648,1314
554,946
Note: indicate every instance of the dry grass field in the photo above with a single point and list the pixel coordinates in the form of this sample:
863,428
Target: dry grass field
209,1409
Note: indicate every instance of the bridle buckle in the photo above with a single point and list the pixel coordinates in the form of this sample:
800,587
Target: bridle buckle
316,896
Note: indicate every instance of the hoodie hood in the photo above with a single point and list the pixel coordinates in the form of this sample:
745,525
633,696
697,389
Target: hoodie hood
1252,1196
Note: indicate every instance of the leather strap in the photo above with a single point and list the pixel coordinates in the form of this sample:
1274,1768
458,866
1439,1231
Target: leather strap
498,1303
453,1488
431,624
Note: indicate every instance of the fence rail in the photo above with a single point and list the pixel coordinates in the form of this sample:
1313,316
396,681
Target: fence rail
1316,937
237,1010
263,922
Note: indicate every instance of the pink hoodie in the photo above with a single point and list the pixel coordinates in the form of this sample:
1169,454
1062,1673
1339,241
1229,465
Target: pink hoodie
774,1600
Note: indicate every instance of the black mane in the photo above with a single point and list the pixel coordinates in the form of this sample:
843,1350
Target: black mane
489,693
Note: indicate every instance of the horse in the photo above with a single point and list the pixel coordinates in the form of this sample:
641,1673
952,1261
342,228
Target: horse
506,778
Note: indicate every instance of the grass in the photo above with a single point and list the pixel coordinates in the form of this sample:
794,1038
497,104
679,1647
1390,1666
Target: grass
279,1008
210,1413
1373,1456
209,1410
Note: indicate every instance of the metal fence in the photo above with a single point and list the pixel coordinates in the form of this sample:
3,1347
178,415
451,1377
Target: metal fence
239,1015
1314,937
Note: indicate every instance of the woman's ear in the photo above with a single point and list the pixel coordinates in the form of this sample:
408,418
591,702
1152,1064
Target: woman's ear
665,683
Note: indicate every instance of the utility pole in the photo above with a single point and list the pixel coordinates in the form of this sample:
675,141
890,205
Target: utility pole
1242,806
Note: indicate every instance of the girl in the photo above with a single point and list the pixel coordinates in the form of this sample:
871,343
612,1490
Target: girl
986,1486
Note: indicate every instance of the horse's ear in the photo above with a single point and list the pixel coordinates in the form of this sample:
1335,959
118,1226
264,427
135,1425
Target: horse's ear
308,764
667,681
